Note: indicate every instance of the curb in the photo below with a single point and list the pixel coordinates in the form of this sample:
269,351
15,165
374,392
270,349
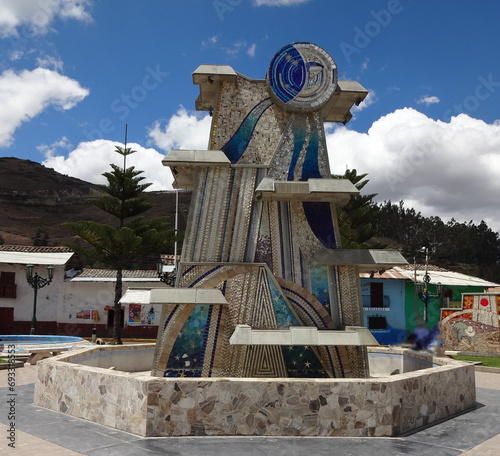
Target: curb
491,370
15,365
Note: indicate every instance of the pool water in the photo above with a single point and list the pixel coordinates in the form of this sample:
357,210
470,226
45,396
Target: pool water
37,340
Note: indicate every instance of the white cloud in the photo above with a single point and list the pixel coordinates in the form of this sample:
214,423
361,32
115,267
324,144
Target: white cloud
442,169
184,130
51,150
428,100
38,15
50,62
364,65
370,99
26,94
235,48
393,89
279,2
15,55
251,50
90,159
212,41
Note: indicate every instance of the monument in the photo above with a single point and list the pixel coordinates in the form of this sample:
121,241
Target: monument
263,287
266,314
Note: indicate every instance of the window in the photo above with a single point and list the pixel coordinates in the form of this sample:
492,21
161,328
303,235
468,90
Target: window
376,294
377,323
7,284
374,298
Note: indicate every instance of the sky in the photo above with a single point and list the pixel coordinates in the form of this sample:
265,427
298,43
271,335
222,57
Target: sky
73,73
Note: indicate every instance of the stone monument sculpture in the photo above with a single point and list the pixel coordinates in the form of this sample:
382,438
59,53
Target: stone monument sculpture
264,288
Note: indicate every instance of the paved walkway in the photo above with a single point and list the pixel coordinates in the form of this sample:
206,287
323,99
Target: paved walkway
43,432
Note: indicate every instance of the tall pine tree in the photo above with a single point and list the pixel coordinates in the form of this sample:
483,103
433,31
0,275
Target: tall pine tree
132,238
355,219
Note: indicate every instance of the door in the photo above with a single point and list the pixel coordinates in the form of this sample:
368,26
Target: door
111,319
6,320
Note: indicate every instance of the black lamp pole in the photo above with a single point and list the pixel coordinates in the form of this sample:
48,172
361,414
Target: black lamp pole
423,288
36,282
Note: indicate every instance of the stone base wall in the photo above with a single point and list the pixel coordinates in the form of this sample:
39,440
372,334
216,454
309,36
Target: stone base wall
149,406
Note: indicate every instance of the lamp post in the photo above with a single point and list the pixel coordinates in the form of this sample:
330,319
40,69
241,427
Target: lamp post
36,282
166,277
422,288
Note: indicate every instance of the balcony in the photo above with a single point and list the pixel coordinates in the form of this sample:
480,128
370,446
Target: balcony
379,303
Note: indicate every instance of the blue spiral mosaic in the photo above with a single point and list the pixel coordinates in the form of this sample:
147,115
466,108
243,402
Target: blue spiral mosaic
301,77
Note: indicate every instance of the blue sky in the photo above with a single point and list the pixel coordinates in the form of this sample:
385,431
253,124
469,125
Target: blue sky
74,72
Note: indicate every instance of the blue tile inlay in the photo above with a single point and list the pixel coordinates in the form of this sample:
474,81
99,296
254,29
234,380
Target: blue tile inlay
235,147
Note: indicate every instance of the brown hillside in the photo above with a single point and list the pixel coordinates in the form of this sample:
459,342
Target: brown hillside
32,195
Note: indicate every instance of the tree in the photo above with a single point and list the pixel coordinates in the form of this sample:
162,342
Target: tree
469,248
132,239
41,236
355,219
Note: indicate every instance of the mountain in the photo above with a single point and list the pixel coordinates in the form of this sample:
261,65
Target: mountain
33,196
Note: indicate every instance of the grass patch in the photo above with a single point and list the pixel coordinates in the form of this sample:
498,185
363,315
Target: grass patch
484,360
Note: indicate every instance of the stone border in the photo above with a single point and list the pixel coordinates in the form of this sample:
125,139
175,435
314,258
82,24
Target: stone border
15,365
154,406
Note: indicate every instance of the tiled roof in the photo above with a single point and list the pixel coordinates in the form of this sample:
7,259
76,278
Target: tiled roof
111,274
438,275
34,249
387,274
421,267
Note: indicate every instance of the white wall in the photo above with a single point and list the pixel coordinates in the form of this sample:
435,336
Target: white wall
82,296
49,298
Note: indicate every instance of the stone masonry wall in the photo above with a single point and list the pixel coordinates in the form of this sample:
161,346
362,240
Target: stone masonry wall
148,406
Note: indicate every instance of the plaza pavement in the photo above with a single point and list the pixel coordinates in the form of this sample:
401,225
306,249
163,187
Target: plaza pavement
43,432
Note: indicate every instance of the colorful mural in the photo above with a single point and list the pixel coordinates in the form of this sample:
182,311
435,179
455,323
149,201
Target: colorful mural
475,327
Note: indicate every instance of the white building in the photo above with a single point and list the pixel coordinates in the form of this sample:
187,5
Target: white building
74,302
17,296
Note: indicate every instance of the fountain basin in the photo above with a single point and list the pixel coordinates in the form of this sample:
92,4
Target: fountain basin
37,340
24,344
135,402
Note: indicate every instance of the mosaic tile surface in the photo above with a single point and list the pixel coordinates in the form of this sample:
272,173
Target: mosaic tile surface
266,128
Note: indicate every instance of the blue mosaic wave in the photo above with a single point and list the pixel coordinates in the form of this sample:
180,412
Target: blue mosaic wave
310,169
319,217
235,147
299,137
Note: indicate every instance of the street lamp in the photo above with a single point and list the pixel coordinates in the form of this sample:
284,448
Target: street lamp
422,288
36,282
166,277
